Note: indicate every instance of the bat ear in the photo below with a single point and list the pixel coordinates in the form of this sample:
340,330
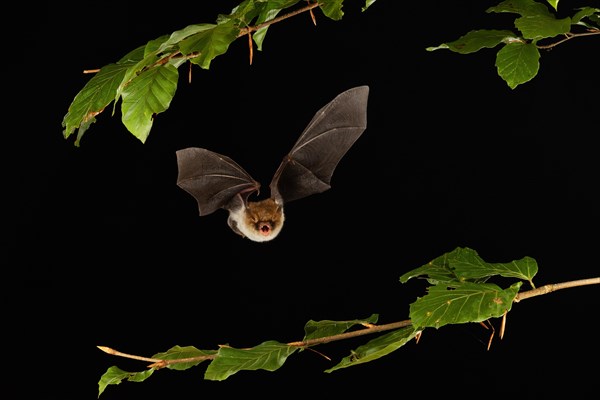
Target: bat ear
241,199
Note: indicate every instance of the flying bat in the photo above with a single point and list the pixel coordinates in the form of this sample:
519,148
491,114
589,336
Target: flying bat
216,181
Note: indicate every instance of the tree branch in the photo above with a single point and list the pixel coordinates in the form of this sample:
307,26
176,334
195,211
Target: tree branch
369,328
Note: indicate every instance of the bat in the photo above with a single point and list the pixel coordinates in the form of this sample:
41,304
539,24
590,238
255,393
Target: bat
218,182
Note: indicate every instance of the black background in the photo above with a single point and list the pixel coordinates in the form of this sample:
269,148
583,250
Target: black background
105,249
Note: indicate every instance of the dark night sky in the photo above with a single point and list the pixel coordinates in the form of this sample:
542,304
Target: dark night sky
105,249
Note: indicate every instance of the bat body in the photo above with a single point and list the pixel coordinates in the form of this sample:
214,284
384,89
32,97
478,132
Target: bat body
216,181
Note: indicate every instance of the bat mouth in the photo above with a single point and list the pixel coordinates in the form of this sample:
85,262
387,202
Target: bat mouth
265,228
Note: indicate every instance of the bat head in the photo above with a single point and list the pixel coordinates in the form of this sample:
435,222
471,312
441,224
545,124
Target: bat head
259,221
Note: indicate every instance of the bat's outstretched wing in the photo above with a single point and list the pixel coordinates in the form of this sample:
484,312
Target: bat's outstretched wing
213,179
308,167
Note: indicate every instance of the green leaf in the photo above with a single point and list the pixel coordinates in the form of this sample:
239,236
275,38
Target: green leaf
115,375
518,63
466,302
332,9
368,3
525,268
149,61
259,35
554,4
269,356
270,10
179,353
148,94
134,56
464,264
209,43
92,99
243,13
315,330
173,41
584,13
377,348
440,270
540,26
476,40
521,7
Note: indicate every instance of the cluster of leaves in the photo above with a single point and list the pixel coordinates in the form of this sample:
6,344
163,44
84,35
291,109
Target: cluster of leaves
145,79
517,61
459,293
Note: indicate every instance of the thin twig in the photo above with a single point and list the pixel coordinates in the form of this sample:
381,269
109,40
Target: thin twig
254,28
554,287
569,36
347,335
119,354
